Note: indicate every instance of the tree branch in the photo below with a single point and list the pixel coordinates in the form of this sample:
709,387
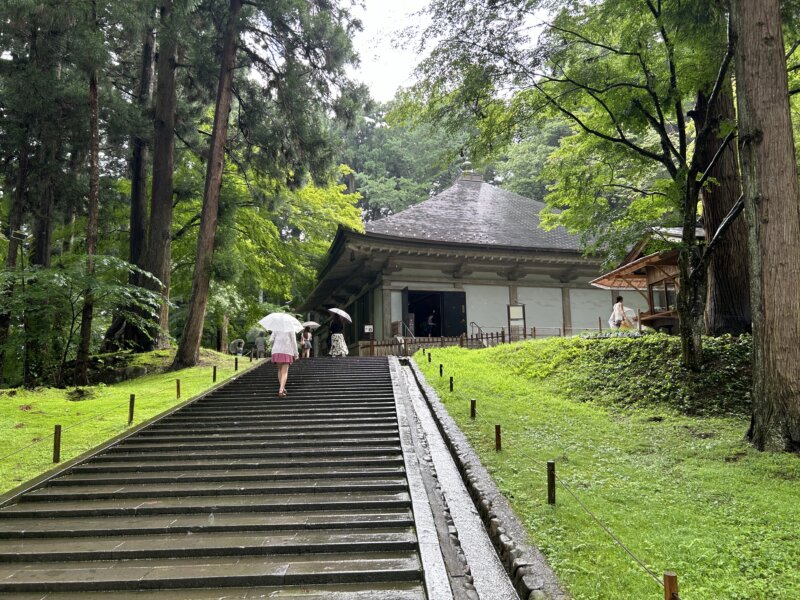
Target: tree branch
719,235
701,182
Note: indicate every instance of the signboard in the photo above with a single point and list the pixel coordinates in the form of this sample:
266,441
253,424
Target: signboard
516,313
368,328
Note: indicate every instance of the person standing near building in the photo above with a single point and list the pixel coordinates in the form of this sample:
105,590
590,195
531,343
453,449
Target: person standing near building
338,345
306,343
618,317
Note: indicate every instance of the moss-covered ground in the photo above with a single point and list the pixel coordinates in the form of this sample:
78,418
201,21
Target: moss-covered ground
655,452
91,415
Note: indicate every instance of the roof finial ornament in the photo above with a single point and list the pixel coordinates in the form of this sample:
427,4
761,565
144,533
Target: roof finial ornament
466,166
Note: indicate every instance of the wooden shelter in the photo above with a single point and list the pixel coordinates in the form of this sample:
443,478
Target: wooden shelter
655,278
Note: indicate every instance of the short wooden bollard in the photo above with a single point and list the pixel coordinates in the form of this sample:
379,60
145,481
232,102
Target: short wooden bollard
451,383
214,374
551,482
670,586
472,408
236,363
130,408
600,324
429,357
441,370
498,444
533,332
251,357
57,444
178,389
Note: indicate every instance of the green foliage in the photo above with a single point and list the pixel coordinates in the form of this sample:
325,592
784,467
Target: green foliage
45,308
397,164
639,371
683,492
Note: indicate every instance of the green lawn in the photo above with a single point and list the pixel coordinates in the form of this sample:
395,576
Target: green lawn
683,493
27,417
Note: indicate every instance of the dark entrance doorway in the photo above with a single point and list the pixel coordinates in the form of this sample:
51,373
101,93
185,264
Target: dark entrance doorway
448,309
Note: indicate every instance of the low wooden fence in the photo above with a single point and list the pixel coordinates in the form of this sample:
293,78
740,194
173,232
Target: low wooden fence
406,346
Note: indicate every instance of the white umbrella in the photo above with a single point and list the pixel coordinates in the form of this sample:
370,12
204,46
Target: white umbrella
311,324
341,313
281,322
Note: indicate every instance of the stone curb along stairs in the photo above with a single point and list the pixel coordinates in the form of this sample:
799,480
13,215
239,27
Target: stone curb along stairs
533,577
239,494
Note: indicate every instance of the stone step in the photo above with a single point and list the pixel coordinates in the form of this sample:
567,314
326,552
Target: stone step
193,505
182,420
355,591
279,474
298,430
125,547
24,528
298,411
279,403
233,571
250,442
99,491
154,464
249,453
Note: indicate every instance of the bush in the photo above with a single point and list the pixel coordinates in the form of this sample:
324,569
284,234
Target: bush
639,370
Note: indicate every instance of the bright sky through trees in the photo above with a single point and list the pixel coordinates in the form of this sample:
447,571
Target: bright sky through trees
384,65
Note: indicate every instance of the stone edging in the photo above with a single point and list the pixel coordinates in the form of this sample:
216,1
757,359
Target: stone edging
533,577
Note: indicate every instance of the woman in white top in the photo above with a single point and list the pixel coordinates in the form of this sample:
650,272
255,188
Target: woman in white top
284,352
618,314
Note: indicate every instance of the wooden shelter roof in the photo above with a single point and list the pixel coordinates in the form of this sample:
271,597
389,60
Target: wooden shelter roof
633,275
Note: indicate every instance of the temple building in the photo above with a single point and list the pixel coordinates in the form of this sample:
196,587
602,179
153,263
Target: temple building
472,259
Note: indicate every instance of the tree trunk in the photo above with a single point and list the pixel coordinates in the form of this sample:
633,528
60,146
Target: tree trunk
138,220
82,359
691,305
120,330
772,207
222,334
728,302
189,348
159,243
15,218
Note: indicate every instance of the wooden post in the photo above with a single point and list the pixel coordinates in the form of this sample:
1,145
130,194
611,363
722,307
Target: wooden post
498,444
503,336
670,586
472,408
57,444
441,340
214,374
441,369
533,332
429,357
372,345
451,383
130,408
551,482
251,356
235,363
639,320
600,324
178,389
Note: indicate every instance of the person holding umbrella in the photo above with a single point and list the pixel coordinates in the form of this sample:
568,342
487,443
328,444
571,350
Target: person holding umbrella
284,328
338,345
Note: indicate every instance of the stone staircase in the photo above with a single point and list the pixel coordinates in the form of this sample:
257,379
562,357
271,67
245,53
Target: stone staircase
239,495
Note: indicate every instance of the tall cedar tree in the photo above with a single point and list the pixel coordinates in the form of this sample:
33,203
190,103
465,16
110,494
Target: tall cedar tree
772,198
300,50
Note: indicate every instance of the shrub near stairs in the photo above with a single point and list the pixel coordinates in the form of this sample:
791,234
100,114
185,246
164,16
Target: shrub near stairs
643,370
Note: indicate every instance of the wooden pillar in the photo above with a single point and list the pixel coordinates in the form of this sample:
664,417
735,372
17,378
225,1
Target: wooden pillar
566,309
